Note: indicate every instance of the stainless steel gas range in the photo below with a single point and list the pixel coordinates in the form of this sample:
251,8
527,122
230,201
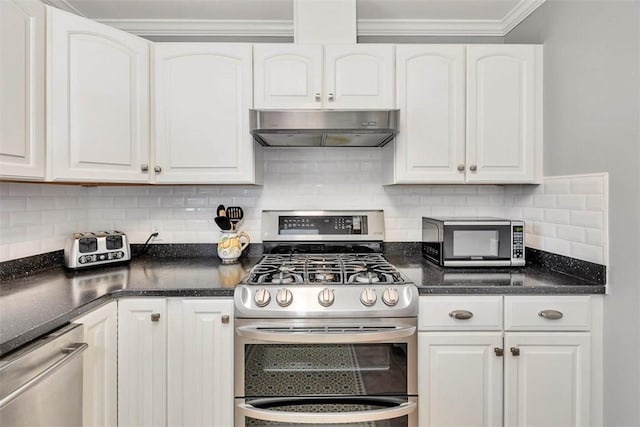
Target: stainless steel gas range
325,326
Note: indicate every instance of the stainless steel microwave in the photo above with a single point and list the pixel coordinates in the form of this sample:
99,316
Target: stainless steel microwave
473,242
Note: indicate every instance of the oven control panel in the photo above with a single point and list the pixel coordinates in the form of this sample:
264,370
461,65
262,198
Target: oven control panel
320,301
322,225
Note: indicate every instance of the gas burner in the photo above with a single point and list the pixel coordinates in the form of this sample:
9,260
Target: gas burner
282,279
365,277
324,276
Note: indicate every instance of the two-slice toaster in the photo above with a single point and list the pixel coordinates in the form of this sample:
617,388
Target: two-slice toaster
90,249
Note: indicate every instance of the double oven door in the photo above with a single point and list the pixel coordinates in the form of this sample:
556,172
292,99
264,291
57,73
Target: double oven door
326,372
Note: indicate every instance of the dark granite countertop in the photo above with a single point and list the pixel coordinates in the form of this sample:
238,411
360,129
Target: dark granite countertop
35,304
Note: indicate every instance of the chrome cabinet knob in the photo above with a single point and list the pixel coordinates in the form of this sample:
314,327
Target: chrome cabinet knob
144,168
157,169
390,297
326,297
473,168
460,168
318,97
331,97
155,317
262,297
284,297
368,297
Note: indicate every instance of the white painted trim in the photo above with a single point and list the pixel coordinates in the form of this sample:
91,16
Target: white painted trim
518,14
203,27
285,28
63,5
429,27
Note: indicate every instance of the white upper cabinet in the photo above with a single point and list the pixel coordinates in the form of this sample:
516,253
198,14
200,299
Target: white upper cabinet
431,99
359,76
497,141
504,113
98,101
22,78
333,77
287,76
202,97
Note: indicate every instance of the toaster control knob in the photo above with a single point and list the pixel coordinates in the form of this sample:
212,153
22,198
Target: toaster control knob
368,297
326,297
262,297
390,297
284,297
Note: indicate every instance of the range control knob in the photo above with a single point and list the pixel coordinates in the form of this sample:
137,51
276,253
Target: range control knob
326,297
390,297
284,297
368,297
262,297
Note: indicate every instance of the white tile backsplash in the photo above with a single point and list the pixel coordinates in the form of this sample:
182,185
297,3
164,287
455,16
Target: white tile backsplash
340,178
567,215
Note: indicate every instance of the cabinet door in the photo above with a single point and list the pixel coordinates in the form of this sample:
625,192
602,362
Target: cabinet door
203,92
431,99
142,385
504,113
548,383
100,391
200,362
22,76
359,76
98,101
460,379
287,76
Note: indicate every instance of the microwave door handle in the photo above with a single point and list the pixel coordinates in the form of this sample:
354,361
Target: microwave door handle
340,418
291,337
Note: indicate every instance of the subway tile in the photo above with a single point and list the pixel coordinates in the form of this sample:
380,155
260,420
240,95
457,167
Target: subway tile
439,211
25,218
557,186
136,213
455,200
594,202
594,236
478,200
557,216
533,214
544,201
125,202
25,189
13,204
534,241
196,201
40,203
571,201
148,201
587,185
570,232
544,229
432,200
465,211
587,252
590,219
513,213
494,211
557,246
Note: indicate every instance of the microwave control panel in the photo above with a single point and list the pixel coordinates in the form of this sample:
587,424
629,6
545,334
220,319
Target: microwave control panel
518,241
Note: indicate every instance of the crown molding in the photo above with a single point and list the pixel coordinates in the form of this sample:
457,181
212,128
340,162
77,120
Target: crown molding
203,27
285,28
519,13
429,27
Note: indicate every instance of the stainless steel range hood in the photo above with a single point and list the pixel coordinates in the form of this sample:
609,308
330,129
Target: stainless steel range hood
323,128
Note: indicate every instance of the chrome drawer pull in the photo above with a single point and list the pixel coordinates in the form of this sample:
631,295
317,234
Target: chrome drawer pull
551,314
461,314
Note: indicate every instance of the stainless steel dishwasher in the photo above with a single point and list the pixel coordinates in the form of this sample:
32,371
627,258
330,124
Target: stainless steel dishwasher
41,384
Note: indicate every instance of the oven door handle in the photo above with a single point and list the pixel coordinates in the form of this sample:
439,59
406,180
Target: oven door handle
292,337
400,410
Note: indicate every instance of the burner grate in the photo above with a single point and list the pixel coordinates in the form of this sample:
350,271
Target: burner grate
324,269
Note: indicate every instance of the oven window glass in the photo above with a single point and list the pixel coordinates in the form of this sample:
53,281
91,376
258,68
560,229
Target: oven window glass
468,243
325,370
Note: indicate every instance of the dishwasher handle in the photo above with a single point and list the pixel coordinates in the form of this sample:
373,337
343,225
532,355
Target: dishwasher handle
70,352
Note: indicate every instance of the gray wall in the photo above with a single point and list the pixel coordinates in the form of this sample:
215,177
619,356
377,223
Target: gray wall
591,120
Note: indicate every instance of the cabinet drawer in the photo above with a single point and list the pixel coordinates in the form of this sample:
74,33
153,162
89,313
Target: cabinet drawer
471,313
560,313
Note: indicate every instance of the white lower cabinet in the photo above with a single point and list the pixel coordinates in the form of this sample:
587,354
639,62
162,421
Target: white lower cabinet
543,368
142,368
460,379
175,362
100,393
200,362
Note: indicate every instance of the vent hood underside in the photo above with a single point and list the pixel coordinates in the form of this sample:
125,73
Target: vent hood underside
323,128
